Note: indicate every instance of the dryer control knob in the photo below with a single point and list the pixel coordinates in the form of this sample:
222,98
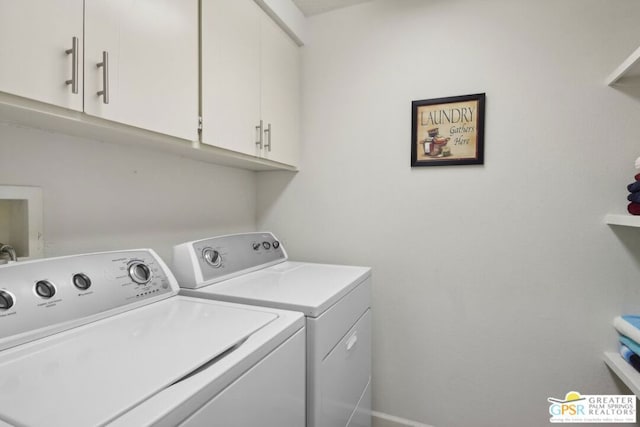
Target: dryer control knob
212,257
139,273
6,300
45,289
275,244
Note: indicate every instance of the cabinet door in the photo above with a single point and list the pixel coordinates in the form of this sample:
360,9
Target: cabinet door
280,92
152,79
34,35
231,74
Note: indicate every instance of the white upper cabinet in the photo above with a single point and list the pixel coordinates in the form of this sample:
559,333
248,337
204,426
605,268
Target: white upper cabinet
148,56
250,82
146,71
231,75
280,104
147,51
34,38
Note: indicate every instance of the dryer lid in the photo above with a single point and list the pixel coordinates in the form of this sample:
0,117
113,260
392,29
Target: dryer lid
92,374
307,287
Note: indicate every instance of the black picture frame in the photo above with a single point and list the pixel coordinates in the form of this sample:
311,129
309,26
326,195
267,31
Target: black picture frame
453,128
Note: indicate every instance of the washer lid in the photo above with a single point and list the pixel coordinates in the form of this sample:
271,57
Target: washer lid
90,375
306,287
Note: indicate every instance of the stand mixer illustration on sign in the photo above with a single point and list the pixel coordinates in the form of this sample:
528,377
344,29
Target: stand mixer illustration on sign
435,145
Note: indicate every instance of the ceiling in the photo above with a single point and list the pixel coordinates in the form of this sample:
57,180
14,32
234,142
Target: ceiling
315,7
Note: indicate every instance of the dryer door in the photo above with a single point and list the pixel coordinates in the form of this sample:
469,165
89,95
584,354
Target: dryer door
342,378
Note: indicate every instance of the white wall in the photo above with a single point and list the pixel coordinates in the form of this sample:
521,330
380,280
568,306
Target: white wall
100,196
494,285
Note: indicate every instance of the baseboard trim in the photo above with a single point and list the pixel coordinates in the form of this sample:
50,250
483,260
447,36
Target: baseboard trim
380,419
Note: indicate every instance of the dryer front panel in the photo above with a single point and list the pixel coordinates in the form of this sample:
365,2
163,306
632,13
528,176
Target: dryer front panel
338,382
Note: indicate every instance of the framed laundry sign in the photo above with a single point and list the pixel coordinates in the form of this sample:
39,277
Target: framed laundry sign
448,131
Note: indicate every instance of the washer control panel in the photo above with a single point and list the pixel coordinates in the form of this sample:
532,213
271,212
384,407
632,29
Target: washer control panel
220,257
44,294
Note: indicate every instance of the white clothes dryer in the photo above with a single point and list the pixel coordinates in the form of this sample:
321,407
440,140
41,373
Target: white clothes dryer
253,268
105,339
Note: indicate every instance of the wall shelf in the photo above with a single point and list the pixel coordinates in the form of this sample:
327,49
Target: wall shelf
624,371
626,220
629,68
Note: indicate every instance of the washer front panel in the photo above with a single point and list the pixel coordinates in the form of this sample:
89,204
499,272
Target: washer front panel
53,292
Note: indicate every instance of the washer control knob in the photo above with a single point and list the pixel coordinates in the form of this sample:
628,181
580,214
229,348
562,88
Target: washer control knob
139,272
45,289
212,257
81,281
266,245
6,300
275,244
255,246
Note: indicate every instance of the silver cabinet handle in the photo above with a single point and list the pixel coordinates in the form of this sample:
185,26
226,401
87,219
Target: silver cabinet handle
105,77
259,134
74,65
267,131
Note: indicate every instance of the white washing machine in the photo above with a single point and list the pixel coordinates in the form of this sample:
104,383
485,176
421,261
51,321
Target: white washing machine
105,339
253,268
